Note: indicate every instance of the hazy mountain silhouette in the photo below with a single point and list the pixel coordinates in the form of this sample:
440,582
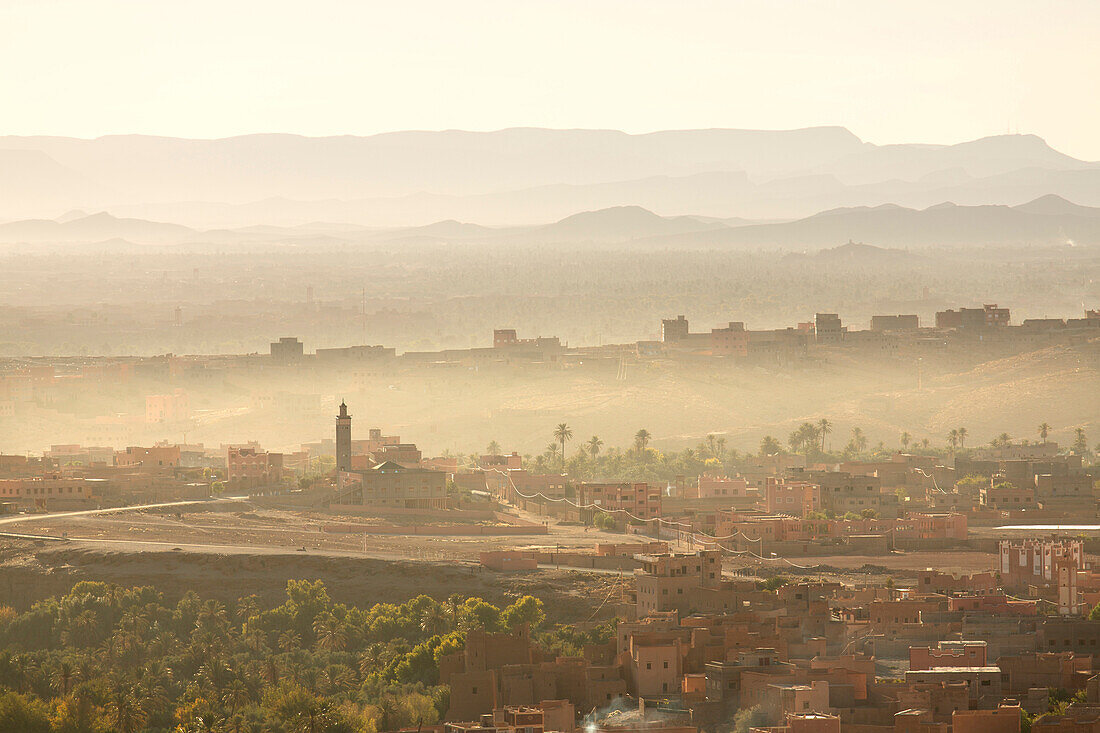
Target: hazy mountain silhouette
620,223
989,156
1046,221
1053,205
94,228
855,252
519,176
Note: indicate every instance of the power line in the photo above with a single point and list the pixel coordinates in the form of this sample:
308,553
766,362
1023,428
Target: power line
695,536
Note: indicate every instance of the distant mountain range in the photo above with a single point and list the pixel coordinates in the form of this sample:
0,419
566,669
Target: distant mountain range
94,228
1048,220
519,177
1045,221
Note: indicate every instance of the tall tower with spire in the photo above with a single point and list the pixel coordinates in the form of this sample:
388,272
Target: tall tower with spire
343,439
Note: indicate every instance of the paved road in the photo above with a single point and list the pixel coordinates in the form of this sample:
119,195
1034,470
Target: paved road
112,510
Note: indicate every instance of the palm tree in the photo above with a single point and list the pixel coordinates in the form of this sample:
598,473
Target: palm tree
563,433
712,445
953,438
236,695
962,437
126,714
454,606
905,438
1004,440
924,443
641,441
859,440
493,448
824,427
330,633
63,675
212,616
247,607
1080,441
82,630
371,658
769,446
1044,431
594,444
289,640
433,620
804,438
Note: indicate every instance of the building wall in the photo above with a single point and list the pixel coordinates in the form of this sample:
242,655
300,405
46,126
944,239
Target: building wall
248,468
405,488
961,655
1005,719
639,499
159,455
655,668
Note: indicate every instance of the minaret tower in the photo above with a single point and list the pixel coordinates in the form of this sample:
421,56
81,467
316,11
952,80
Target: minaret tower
343,439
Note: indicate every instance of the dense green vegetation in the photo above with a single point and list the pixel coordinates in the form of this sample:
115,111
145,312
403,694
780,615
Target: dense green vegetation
105,658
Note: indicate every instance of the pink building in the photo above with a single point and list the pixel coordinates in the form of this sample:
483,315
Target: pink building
948,654
715,487
638,499
784,496
167,408
250,468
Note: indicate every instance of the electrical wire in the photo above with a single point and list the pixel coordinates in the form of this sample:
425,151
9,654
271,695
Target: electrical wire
694,536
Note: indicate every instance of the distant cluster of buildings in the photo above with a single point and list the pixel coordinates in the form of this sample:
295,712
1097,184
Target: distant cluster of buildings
35,387
887,334
75,477
779,504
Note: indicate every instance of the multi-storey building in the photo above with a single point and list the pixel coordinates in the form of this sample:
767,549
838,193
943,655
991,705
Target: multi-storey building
287,350
249,468
639,500
163,456
167,408
895,323
675,582
842,492
391,486
988,316
1044,564
788,496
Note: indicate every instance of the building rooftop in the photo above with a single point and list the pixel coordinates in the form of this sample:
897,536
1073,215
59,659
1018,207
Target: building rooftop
990,670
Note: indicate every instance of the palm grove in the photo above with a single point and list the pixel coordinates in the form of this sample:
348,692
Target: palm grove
814,440
104,658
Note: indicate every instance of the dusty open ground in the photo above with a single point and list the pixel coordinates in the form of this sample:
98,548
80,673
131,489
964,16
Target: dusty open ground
896,565
234,548
247,529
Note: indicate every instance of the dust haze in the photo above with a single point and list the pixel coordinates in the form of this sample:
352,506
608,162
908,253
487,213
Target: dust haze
717,225
551,428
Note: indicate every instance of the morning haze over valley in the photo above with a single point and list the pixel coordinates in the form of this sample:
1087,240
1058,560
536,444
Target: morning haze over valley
477,367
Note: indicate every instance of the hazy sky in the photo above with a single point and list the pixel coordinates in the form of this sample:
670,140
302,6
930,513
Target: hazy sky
890,71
